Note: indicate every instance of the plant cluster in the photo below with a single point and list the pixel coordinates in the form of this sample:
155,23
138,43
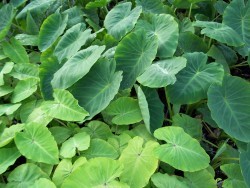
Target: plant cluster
119,94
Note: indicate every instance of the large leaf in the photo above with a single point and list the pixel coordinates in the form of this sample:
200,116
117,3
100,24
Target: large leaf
121,19
245,165
97,4
8,109
194,80
96,89
139,162
230,106
25,175
181,151
78,142
64,107
7,14
220,32
124,111
97,173
165,28
24,89
23,71
52,27
15,51
237,16
5,90
5,69
162,73
76,67
43,182
166,181
7,157
133,55
37,143
72,41
152,6
34,7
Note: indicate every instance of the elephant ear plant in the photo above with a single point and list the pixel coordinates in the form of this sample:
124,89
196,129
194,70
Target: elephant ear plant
125,94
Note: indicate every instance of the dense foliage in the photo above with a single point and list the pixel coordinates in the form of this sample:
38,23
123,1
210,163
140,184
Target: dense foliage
118,94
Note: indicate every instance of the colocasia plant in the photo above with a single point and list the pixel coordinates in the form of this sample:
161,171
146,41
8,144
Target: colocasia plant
119,94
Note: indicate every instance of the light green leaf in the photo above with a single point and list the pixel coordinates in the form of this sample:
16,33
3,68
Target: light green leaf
7,157
25,175
52,27
5,90
162,73
24,89
220,32
43,182
76,67
27,40
139,162
32,27
237,16
9,133
7,14
181,151
15,51
100,148
24,71
5,69
166,181
190,125
121,19
105,83
230,106
8,109
75,16
166,30
71,41
97,173
97,4
152,6
34,7
194,80
133,55
64,107
78,142
37,143
125,111
234,174
245,165
61,133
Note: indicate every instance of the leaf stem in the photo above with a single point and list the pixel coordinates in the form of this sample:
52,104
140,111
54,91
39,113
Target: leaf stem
168,103
203,139
60,122
209,130
190,10
106,10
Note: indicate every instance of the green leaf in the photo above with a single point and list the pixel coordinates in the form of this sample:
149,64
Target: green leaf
27,40
220,32
105,83
15,51
181,151
34,7
100,148
5,90
194,80
32,27
75,16
245,165
5,69
237,16
152,6
43,182
25,175
7,157
71,41
7,13
8,109
24,71
37,143
190,125
24,89
133,55
230,105
166,181
234,174
52,27
139,162
76,67
165,29
98,172
162,73
9,133
97,4
64,107
78,142
121,19
125,111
